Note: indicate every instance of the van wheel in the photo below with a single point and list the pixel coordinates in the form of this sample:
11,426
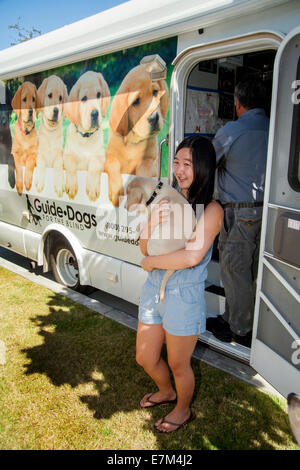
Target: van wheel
64,265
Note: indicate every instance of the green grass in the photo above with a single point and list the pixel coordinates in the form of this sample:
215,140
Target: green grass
70,381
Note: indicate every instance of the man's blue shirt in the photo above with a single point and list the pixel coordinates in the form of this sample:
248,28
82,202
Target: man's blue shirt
243,144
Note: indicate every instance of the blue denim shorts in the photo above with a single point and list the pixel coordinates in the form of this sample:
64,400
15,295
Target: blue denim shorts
182,312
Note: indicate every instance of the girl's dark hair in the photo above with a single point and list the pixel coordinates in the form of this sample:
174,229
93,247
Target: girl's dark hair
204,166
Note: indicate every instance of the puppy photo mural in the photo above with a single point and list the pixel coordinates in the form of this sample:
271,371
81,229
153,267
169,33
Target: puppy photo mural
63,130
25,141
52,95
137,115
89,100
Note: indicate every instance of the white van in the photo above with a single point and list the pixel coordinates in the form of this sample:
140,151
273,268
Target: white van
59,192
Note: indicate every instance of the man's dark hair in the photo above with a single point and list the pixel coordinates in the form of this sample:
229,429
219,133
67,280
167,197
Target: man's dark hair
250,93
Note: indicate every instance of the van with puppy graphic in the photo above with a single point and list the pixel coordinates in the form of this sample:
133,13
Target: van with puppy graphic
89,108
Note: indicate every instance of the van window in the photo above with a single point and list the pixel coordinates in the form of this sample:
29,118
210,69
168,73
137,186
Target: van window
294,161
210,89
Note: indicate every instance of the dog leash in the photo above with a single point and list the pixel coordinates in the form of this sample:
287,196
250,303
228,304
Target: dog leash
155,193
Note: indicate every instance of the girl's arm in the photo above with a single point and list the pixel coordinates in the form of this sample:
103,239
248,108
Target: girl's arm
204,234
158,215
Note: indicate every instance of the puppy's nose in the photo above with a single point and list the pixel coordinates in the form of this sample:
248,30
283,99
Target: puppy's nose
30,112
94,114
153,120
55,112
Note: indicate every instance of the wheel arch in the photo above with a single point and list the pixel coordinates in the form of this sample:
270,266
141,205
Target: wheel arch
49,236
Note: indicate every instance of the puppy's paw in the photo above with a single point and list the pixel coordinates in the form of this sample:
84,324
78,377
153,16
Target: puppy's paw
19,186
93,187
59,185
116,197
28,180
39,182
71,185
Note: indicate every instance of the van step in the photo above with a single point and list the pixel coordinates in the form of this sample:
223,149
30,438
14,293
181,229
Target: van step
235,350
215,290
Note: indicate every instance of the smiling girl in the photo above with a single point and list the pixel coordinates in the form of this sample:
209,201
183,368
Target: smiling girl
181,317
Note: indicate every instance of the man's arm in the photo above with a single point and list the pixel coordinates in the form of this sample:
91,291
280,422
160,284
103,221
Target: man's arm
222,143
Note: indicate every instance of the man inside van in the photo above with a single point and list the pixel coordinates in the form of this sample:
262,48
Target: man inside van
241,148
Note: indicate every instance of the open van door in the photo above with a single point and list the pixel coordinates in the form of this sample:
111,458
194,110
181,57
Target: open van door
275,350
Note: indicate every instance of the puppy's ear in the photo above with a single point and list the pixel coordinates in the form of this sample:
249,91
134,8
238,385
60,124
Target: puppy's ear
118,119
16,101
41,96
72,106
36,97
65,98
105,94
135,196
65,93
164,101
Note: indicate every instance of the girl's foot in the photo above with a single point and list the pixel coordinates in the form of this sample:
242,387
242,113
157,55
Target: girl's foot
155,399
174,421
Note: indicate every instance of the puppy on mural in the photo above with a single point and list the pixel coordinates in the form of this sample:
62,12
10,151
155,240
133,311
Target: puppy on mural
84,150
25,141
137,115
52,94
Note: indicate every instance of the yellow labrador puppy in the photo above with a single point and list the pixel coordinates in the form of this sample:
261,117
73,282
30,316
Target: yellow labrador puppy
84,150
25,141
52,95
137,115
172,234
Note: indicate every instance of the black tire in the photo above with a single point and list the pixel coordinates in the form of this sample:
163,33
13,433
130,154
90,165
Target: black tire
64,265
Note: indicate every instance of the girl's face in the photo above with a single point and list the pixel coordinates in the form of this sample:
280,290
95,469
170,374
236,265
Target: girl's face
183,169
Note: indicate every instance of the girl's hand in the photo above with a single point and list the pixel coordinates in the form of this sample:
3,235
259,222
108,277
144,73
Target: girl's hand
160,213
146,264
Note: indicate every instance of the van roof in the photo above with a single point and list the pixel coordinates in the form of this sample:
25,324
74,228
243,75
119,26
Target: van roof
123,26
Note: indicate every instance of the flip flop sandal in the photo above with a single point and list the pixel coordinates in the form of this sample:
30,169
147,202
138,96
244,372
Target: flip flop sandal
155,403
188,420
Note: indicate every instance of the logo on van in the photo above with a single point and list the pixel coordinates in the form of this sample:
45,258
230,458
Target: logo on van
52,212
296,94
296,354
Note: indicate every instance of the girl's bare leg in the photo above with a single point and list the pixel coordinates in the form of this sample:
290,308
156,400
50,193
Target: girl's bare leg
150,339
180,350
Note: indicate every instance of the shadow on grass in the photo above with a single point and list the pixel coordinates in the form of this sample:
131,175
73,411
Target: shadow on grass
82,347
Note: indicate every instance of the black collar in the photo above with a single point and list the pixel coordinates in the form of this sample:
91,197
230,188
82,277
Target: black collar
155,193
87,134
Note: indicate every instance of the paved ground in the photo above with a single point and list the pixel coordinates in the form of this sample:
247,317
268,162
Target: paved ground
125,313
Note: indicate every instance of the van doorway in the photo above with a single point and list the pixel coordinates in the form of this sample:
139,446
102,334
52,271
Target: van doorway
209,104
